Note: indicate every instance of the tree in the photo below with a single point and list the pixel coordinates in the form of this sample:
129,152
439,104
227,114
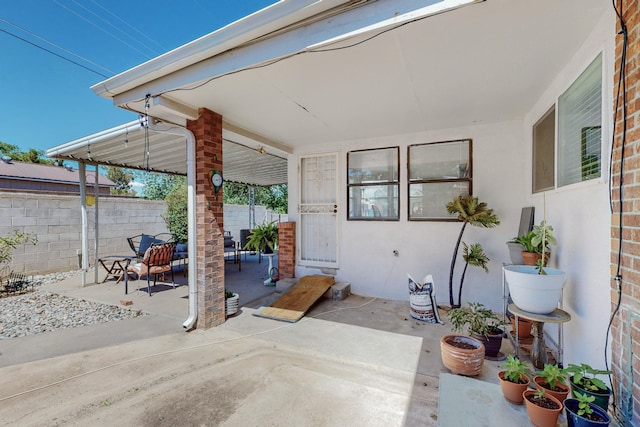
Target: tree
30,156
274,197
157,186
122,179
176,216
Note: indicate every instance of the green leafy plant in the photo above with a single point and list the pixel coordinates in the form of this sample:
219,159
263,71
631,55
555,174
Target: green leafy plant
515,370
537,241
469,211
585,376
11,241
176,215
473,256
584,407
476,318
228,294
262,237
552,375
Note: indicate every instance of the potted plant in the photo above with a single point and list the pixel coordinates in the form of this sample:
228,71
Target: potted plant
469,211
514,380
532,243
584,380
263,238
542,408
462,355
552,380
523,328
536,289
231,300
481,323
581,411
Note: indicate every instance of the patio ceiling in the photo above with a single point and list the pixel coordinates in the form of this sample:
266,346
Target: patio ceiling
374,69
125,146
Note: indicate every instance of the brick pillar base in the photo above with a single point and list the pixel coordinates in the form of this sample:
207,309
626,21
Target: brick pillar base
209,222
287,249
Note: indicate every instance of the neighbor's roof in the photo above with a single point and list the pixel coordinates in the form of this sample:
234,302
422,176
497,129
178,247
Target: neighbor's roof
46,173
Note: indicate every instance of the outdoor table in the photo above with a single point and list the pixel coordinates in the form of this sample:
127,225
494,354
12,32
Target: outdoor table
538,349
116,266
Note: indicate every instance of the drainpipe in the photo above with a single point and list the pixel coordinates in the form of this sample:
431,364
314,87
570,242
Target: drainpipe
191,215
83,214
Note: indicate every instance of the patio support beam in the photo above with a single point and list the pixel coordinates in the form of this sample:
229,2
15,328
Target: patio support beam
207,130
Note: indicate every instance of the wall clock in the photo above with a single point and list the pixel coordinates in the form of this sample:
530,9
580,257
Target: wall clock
216,180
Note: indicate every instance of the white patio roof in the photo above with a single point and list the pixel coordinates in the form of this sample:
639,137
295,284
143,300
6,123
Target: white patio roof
126,146
306,73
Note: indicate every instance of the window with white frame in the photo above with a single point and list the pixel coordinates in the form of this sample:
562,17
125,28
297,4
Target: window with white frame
579,127
578,152
374,183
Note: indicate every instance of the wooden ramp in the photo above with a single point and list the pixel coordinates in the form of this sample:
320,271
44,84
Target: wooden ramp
291,306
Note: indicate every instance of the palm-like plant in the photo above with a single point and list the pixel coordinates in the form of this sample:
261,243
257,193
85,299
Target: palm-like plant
473,256
469,211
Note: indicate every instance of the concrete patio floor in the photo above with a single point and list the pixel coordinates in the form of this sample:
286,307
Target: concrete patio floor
361,361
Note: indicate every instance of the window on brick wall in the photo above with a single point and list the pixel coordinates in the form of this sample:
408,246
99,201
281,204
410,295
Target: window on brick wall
577,154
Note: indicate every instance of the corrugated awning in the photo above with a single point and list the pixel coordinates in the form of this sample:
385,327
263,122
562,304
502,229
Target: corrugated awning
133,146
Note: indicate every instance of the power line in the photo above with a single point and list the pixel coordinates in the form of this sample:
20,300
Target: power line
115,27
102,29
55,45
128,25
53,53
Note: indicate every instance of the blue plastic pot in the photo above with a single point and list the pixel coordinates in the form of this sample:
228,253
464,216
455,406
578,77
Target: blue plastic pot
574,420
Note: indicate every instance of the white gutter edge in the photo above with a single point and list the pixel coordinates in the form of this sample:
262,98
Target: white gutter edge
95,138
191,215
251,27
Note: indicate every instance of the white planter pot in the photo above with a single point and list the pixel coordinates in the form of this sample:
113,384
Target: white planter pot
533,292
231,304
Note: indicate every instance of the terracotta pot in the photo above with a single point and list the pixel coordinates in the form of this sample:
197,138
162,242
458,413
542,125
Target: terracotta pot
539,416
462,361
542,385
512,391
532,258
524,326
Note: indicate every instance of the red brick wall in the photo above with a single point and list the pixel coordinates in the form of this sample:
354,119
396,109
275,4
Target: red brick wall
287,249
625,333
209,220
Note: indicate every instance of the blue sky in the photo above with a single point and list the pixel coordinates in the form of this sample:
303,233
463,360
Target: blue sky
46,101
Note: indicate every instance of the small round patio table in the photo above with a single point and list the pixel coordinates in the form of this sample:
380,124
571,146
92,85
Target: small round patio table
538,348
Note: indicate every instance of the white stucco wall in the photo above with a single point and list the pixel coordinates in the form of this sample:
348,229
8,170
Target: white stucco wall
366,257
502,178
580,215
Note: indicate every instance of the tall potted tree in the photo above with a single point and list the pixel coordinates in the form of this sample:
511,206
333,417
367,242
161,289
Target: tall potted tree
469,211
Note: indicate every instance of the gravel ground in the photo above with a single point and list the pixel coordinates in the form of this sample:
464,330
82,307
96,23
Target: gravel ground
41,311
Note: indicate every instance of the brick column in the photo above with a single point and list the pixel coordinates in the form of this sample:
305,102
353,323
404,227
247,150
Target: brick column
287,249
209,222
625,333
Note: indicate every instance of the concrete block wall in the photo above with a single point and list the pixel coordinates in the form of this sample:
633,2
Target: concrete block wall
56,221
236,218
